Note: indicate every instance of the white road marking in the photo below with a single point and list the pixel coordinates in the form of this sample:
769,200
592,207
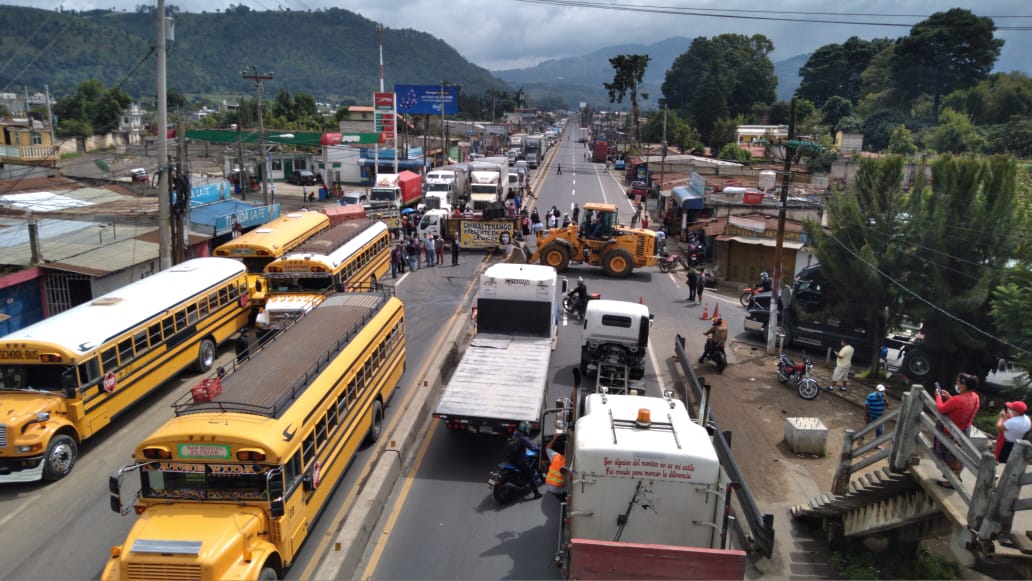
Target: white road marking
22,507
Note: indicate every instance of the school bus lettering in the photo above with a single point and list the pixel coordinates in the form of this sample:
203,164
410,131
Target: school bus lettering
182,468
19,354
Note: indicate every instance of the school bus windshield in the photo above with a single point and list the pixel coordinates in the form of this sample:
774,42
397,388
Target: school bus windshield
42,377
214,482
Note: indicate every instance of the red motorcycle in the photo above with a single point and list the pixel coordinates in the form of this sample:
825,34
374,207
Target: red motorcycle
798,373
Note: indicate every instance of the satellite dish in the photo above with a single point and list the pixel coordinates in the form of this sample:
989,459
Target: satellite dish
103,165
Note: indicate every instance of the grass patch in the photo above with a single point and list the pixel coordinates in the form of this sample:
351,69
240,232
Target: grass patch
863,564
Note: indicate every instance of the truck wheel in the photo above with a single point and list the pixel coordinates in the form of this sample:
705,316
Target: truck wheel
555,256
60,457
205,356
618,263
917,365
268,573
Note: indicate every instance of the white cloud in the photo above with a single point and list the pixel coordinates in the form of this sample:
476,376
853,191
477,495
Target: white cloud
499,34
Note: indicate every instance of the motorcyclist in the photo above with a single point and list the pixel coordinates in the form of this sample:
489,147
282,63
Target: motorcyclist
717,335
765,284
580,293
516,453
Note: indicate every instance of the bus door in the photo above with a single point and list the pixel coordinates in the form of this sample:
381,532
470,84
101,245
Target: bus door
295,512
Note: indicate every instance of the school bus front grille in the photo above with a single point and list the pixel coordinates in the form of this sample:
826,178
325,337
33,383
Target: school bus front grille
164,571
3,436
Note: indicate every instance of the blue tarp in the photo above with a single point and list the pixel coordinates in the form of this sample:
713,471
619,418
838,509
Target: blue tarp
217,219
687,199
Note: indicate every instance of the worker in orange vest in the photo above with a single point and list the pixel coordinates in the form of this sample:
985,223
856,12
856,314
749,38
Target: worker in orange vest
555,479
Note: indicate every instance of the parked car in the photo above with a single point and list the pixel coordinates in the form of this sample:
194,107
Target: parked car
301,177
138,174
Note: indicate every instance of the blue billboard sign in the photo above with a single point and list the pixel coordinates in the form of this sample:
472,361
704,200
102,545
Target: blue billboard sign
427,99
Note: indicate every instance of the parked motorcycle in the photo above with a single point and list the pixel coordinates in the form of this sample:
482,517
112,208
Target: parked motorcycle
798,373
508,482
669,262
747,294
716,355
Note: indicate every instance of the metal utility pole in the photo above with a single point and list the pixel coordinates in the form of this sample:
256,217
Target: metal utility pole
786,179
242,178
164,200
444,142
50,116
257,77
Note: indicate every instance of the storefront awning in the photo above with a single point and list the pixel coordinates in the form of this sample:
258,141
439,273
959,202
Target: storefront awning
218,219
687,199
771,242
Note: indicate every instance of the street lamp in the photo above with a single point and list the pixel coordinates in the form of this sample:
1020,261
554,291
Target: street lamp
444,144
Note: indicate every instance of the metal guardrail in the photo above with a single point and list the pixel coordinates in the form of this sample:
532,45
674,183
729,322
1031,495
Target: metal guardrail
761,526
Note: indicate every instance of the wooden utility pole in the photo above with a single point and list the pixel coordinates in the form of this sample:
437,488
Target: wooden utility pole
257,77
786,179
164,200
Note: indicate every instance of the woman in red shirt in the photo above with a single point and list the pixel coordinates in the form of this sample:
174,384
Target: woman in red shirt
961,410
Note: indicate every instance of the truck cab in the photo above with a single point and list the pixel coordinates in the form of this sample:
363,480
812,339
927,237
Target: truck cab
615,341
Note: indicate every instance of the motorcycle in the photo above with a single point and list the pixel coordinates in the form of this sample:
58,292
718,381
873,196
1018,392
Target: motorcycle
716,355
669,262
798,374
747,295
508,482
571,306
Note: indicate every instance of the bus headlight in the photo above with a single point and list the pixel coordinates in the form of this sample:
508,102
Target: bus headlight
28,449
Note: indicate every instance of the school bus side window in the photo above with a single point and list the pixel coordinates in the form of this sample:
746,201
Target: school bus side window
292,472
223,296
167,327
140,341
320,432
180,319
125,351
308,450
154,334
89,371
109,359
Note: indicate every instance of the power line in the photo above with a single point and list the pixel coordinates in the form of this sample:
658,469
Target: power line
917,296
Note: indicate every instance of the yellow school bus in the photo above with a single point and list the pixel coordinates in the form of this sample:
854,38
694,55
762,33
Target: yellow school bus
350,256
270,241
229,487
66,377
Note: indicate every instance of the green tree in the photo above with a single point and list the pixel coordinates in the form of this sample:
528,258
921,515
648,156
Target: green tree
283,105
878,127
955,134
835,70
720,77
834,110
678,132
949,51
1014,138
725,132
629,69
1010,306
863,237
91,110
999,98
962,230
901,142
732,152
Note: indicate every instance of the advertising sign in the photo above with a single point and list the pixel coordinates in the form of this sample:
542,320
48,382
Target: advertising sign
427,99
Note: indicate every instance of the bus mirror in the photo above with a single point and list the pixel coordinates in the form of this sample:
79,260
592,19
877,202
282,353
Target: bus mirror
114,486
276,508
116,503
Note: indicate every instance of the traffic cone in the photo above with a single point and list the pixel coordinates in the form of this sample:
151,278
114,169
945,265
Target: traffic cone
716,310
640,300
705,312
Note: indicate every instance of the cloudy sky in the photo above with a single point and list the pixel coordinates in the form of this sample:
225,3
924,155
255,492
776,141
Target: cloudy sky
498,34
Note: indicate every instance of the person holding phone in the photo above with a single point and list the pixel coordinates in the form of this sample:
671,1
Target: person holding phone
1012,425
961,410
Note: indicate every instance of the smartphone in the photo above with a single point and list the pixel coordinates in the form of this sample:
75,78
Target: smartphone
938,387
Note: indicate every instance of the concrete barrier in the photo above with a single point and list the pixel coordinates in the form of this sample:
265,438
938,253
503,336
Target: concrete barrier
806,436
348,547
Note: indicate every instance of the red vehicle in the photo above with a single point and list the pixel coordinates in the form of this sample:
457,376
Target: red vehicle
599,151
638,188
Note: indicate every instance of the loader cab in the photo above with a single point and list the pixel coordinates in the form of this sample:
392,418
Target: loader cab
598,221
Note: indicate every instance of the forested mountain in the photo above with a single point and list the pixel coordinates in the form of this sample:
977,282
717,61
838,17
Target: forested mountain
332,54
580,78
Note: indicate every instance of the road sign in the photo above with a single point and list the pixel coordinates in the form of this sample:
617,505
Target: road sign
110,382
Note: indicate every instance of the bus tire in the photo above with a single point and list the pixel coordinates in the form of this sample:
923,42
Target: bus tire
376,423
61,455
205,355
268,573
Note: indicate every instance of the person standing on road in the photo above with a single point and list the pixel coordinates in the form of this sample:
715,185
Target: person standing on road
576,213
455,252
555,479
874,406
843,363
1011,427
559,169
693,278
700,284
439,249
